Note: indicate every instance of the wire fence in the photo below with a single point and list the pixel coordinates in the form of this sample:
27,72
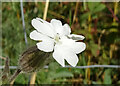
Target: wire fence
79,67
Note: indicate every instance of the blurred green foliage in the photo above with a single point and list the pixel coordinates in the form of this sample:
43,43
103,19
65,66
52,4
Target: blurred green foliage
103,40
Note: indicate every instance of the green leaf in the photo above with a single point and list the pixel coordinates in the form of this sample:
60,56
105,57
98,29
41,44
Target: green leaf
99,8
94,17
94,48
92,5
63,74
21,79
53,66
41,77
83,59
113,30
95,7
84,16
107,77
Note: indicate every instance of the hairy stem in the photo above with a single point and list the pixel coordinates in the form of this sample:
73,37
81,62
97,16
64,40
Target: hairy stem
17,72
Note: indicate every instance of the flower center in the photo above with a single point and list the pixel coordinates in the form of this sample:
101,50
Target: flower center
57,39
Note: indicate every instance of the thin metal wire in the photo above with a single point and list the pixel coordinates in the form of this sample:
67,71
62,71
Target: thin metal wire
23,22
95,66
79,67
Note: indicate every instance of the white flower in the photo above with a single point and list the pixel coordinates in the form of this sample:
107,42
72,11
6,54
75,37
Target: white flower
57,38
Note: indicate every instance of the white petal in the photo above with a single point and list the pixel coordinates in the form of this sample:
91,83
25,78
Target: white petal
71,58
42,20
61,52
46,45
57,25
57,55
67,29
76,37
36,35
76,47
43,27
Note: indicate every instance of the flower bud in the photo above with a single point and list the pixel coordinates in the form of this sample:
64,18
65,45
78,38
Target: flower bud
33,59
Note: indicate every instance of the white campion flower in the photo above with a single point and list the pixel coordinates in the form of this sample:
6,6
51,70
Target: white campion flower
57,38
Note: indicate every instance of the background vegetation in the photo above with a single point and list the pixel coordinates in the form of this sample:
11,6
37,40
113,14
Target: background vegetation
98,22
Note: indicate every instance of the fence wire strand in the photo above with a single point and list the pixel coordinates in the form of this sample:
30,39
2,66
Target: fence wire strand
23,22
79,67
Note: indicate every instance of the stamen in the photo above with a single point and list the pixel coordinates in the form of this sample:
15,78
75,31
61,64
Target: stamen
57,38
